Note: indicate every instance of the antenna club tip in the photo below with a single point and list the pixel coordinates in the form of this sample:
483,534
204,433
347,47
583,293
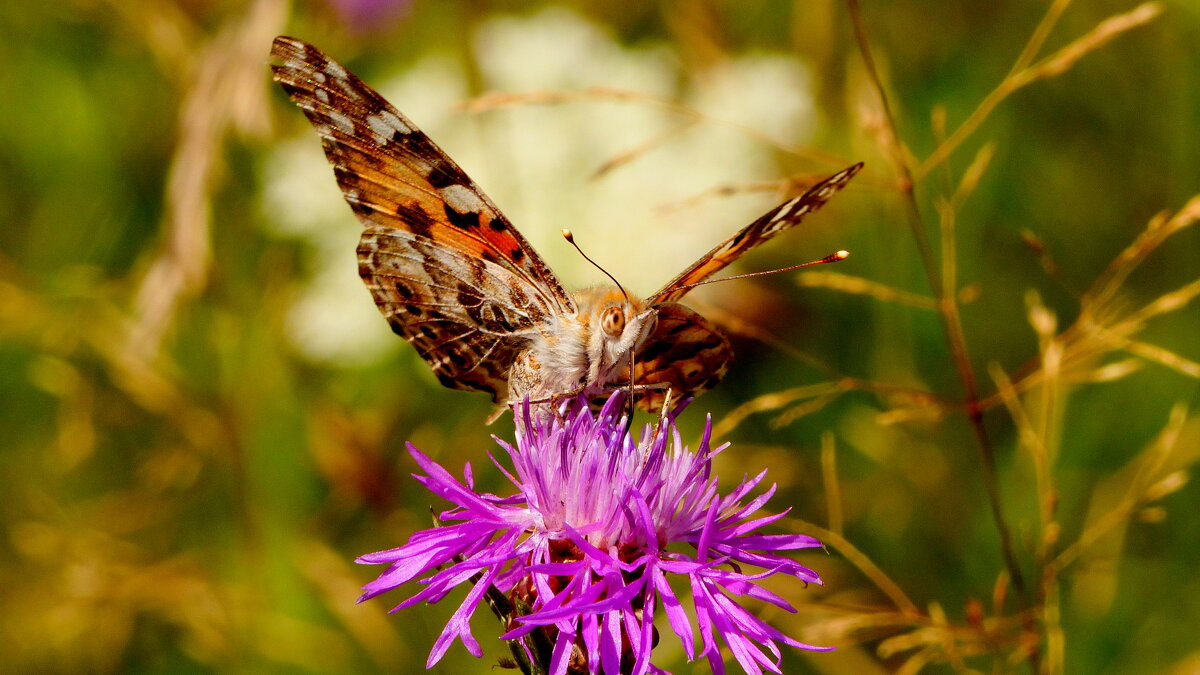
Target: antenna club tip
568,236
842,254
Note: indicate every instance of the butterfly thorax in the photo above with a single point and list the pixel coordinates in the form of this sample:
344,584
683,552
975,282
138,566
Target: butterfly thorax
577,352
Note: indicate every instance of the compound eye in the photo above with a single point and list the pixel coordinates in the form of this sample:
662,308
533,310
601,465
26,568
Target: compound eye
612,321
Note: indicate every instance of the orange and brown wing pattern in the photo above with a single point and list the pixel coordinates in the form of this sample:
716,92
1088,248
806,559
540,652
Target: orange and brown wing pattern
445,267
778,219
394,176
685,353
466,317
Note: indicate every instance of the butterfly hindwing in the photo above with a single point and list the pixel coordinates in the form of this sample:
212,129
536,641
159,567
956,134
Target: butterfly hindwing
465,316
686,353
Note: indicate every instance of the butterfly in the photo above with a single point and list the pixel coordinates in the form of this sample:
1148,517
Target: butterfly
454,278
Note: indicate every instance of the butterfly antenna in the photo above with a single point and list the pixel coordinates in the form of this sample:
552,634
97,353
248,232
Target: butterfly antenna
571,240
836,256
629,398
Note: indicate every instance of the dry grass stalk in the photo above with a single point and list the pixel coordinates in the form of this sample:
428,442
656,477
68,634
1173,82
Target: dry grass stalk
497,101
829,477
847,283
863,563
1147,484
774,401
1064,357
623,158
1023,74
226,92
728,190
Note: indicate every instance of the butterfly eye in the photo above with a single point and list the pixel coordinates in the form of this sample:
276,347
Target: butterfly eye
612,322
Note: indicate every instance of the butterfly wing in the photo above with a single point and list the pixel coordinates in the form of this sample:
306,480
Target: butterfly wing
463,315
778,219
434,242
685,353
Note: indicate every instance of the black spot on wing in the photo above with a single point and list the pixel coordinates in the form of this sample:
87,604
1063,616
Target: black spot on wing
467,298
292,90
464,221
653,350
440,178
415,143
419,222
404,291
456,357
678,328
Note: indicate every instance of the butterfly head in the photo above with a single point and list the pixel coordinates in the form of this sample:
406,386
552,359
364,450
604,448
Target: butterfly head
616,326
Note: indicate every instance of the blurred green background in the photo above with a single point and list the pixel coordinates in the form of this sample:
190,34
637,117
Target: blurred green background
204,416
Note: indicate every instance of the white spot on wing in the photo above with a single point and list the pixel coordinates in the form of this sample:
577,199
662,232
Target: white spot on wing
784,210
385,124
461,199
335,70
342,122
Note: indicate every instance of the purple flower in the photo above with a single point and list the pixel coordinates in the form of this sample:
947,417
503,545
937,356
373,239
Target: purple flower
362,16
581,549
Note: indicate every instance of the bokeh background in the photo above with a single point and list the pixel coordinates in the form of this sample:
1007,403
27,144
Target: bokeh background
988,411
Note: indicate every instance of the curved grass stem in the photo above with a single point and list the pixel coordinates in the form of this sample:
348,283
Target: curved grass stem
941,281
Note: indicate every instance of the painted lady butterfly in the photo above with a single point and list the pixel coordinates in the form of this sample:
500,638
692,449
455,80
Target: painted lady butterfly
458,281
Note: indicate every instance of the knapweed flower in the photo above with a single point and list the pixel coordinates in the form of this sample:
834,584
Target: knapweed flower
586,547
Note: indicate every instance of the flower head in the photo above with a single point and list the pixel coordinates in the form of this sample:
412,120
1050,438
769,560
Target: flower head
581,549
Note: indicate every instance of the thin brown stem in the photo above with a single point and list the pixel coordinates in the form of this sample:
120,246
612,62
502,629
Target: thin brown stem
829,476
951,320
1024,71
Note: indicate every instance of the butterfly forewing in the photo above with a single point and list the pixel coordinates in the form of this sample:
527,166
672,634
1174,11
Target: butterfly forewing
782,217
445,267
686,352
395,176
